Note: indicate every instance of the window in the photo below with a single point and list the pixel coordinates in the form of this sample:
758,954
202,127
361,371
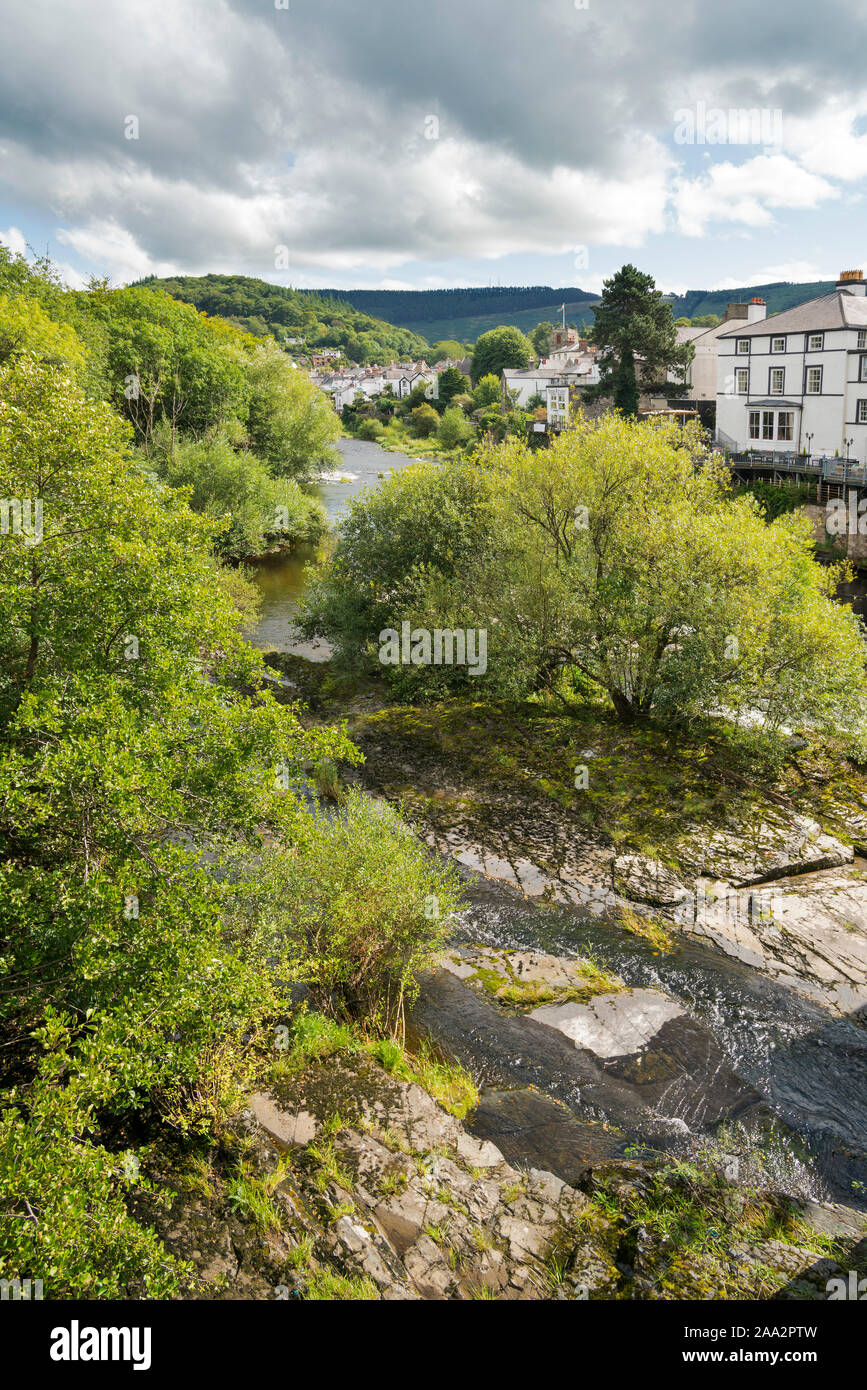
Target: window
778,345
743,344
786,425
776,381
754,423
814,381
861,413
742,381
862,370
767,424
862,337
815,342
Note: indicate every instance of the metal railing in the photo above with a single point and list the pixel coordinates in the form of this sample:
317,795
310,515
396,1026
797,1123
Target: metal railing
834,470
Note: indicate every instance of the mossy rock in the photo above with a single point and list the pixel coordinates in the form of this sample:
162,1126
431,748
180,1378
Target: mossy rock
524,980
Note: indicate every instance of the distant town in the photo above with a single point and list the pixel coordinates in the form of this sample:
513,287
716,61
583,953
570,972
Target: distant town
790,385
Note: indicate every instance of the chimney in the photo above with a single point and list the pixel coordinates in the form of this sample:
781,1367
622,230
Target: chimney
852,281
756,310
736,311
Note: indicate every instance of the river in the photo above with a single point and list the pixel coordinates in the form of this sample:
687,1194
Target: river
282,578
807,1067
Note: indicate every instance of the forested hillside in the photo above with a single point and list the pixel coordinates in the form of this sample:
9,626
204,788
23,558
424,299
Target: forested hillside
317,321
780,295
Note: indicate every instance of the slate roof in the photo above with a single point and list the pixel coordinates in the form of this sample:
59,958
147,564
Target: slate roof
839,309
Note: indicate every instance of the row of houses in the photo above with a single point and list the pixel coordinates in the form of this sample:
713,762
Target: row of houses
400,378
792,383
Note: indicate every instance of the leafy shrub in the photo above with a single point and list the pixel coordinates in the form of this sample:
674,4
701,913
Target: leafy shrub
363,909
455,429
370,429
425,420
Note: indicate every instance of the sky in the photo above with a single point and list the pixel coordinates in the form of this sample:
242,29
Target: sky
436,143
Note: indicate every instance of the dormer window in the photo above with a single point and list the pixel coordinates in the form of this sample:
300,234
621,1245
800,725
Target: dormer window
743,345
815,342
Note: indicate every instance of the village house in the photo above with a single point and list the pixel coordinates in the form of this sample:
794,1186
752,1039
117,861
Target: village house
797,382
701,374
535,381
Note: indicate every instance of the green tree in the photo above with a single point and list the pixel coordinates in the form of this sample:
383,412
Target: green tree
167,362
541,339
634,328
630,561
451,383
488,392
290,423
426,519
127,753
499,348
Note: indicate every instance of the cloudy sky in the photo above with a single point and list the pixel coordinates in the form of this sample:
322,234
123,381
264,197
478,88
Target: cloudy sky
416,143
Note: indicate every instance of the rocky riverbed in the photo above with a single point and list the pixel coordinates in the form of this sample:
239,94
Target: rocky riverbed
766,881
689,966
369,1189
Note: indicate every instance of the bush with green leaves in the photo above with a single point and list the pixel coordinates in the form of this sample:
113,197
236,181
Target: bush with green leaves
365,908
455,429
428,520
425,420
370,429
233,488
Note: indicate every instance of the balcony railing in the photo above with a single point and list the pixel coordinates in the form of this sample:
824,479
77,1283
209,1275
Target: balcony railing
831,470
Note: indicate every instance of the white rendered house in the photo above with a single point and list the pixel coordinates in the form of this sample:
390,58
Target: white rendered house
797,382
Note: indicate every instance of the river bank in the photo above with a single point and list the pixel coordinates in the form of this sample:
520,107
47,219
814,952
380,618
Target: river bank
721,908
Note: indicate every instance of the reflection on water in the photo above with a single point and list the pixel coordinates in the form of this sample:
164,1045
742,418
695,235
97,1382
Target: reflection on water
282,578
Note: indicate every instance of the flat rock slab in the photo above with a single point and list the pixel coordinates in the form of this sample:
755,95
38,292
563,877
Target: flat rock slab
813,938
680,1080
612,1025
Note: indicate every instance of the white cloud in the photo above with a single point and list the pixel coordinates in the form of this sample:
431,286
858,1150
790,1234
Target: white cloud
15,240
746,193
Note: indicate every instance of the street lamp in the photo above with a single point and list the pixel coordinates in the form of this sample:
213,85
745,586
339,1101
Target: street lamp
848,443
809,439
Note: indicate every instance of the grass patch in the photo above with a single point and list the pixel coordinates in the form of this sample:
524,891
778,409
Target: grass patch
447,1081
325,1286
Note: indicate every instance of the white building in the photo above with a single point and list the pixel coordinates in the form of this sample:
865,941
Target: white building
797,382
536,380
702,372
